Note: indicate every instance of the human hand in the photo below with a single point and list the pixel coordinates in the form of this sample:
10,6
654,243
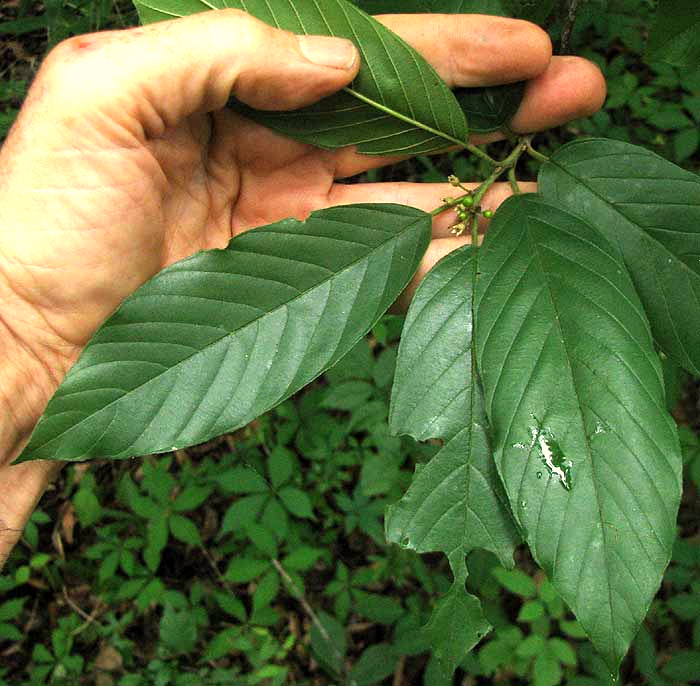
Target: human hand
124,160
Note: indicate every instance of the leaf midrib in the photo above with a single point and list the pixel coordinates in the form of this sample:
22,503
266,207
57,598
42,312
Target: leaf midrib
211,344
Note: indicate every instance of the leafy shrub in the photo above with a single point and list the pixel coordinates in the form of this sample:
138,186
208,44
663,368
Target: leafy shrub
550,413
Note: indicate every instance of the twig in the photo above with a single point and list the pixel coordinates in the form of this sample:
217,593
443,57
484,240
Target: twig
74,606
360,627
398,672
215,567
480,191
89,618
513,181
308,609
568,26
536,155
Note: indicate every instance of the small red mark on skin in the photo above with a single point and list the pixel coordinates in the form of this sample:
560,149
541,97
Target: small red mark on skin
83,44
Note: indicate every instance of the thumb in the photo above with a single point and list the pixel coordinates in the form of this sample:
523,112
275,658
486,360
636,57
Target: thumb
157,75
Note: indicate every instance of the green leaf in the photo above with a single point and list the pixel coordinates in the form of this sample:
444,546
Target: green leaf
184,530
178,631
357,364
572,629
242,480
156,540
328,642
262,538
645,653
457,623
377,608
41,654
436,347
215,340
347,395
562,651
675,35
530,611
266,590
241,570
546,670
231,605
280,465
531,646
297,502
141,505
584,445
87,507
108,566
491,108
685,605
379,474
650,210
191,498
376,663
455,501
9,632
397,104
515,581
495,654
684,665
242,513
487,109
11,609
224,642
670,118
302,558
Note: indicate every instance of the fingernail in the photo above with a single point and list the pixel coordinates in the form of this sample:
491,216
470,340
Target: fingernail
326,51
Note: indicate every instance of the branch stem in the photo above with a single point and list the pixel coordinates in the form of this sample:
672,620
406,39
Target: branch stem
296,591
568,26
507,164
537,155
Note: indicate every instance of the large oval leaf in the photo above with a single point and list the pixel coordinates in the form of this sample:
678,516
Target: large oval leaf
431,395
585,447
215,340
396,105
456,502
650,209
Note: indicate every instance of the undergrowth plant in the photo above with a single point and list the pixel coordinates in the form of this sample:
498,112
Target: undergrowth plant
533,358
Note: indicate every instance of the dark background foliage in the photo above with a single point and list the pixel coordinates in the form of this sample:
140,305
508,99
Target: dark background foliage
259,558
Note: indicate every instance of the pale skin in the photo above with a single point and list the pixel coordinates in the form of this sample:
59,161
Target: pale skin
123,161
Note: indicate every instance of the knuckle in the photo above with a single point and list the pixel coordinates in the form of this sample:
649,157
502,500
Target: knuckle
70,66
237,25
